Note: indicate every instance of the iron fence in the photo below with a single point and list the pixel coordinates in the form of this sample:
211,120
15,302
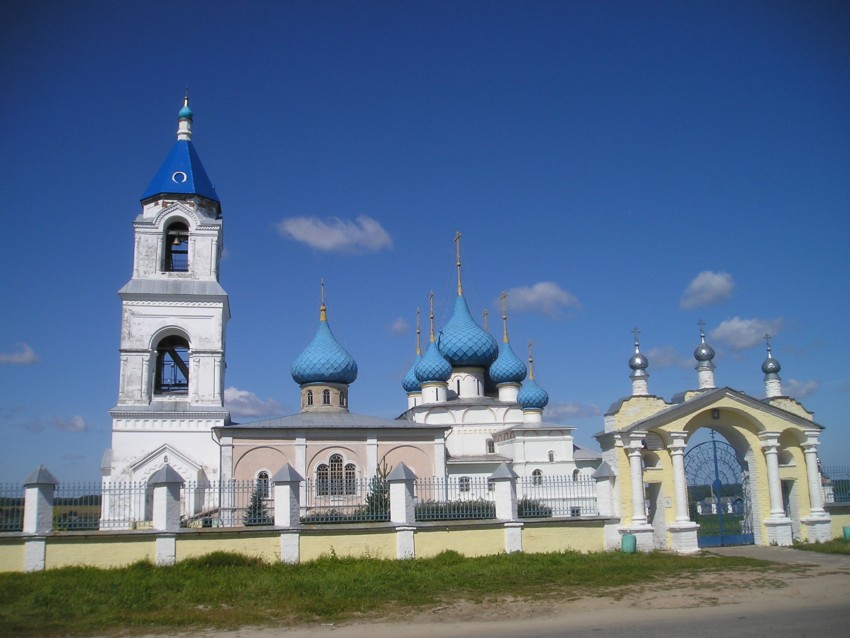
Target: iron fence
545,496
11,507
454,498
836,483
129,505
346,501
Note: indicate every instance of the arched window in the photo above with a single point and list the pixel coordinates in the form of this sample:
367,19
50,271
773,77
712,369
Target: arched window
322,487
336,477
576,474
463,484
342,399
309,397
537,477
263,484
350,479
172,366
491,446
176,248
326,397
551,456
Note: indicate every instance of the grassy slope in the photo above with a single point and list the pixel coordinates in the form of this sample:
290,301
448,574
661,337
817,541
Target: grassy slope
228,591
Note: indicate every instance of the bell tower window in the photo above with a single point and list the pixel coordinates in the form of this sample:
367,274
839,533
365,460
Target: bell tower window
176,248
172,366
326,397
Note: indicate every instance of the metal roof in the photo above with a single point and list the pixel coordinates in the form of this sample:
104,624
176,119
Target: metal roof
332,419
181,174
173,286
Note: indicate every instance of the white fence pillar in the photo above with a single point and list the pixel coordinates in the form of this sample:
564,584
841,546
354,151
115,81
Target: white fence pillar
504,483
166,484
287,512
38,516
38,501
402,502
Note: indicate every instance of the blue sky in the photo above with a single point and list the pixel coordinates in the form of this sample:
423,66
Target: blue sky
610,165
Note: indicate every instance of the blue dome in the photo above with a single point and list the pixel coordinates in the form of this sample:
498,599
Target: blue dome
532,396
507,368
185,113
324,360
432,366
463,342
410,383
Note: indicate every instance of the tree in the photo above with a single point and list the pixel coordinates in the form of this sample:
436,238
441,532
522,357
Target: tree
256,513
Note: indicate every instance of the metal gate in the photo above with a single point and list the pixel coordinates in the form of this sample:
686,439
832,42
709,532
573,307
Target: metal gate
719,494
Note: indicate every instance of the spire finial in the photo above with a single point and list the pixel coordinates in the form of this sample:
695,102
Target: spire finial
323,311
184,120
504,298
418,332
767,341
636,332
457,249
530,360
431,313
186,97
701,325
486,314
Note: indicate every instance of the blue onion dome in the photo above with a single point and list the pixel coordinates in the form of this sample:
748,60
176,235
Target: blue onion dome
463,342
704,352
532,396
507,368
185,113
410,383
324,360
432,366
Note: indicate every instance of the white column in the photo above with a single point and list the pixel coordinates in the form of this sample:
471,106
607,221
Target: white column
770,446
810,449
402,502
636,472
680,482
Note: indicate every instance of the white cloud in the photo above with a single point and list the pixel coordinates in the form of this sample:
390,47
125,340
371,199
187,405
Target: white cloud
24,356
74,424
706,289
242,403
335,235
799,389
399,327
740,334
545,297
571,410
667,357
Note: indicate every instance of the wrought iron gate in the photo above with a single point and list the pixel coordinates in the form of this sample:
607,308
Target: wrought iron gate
719,494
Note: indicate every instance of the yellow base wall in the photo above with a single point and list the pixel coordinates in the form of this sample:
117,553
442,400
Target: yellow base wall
266,547
98,552
468,542
12,556
381,544
548,538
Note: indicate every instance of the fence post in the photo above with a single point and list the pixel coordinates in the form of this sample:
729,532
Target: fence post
504,480
166,483
603,476
38,516
403,509
287,508
504,485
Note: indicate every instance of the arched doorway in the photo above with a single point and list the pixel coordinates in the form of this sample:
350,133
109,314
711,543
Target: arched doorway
719,493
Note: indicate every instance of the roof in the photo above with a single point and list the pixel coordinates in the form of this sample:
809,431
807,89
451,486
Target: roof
706,399
581,453
331,419
181,174
173,286
479,458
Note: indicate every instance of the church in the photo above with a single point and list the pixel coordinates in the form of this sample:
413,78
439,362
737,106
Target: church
472,405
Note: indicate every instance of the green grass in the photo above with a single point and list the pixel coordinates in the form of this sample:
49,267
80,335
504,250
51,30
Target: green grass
836,546
227,591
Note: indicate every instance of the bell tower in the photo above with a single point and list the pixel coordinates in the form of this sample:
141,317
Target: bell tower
174,315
